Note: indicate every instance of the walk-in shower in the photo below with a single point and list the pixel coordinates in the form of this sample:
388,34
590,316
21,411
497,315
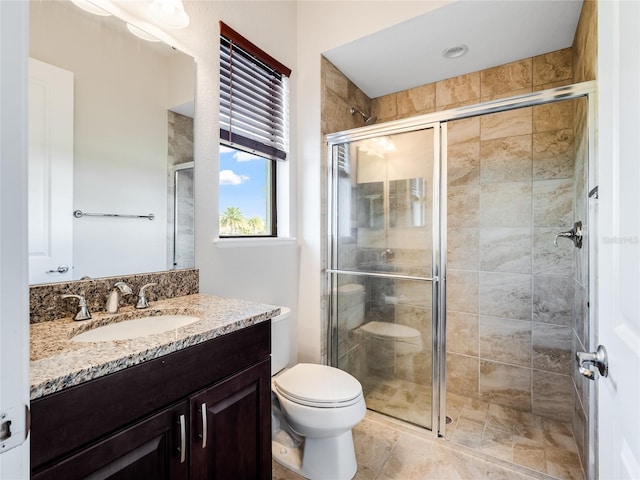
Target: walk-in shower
447,296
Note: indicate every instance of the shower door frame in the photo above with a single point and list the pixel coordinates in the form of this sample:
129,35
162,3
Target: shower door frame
438,121
438,257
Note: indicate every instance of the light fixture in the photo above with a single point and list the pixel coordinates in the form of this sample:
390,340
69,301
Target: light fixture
169,13
138,32
91,7
377,146
456,51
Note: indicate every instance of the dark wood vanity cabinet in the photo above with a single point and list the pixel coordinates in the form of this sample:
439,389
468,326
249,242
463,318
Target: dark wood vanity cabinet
200,413
149,449
234,418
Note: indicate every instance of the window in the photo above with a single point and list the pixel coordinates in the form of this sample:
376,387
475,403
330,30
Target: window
247,192
253,135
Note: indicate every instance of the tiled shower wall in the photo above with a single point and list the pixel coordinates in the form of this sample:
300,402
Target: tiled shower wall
510,291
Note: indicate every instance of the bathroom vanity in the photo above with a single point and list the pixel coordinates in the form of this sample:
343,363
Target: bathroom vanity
191,403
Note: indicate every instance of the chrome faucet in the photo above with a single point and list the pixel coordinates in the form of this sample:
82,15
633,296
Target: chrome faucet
113,299
142,299
83,312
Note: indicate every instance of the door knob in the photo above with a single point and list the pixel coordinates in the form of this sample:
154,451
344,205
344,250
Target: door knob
60,269
598,359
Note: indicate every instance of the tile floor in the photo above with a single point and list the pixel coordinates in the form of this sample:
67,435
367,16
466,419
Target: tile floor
398,398
484,441
544,445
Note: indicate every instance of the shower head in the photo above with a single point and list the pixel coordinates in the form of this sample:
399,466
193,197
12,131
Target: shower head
367,119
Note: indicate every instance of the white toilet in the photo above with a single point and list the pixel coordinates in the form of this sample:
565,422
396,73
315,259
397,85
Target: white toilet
314,408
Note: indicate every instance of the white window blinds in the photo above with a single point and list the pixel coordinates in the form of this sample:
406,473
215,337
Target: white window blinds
253,97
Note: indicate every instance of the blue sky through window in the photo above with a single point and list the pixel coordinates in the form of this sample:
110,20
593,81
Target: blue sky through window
243,182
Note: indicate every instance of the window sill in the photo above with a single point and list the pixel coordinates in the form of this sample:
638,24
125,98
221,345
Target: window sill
253,242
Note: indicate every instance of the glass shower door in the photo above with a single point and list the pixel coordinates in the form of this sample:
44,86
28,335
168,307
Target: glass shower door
382,230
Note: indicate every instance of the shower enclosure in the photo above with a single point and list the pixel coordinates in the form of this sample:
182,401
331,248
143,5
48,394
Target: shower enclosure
447,296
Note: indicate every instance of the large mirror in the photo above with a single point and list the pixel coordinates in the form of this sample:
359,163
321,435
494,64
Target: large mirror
110,134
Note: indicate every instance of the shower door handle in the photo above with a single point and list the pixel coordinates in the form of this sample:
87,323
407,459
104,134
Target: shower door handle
598,359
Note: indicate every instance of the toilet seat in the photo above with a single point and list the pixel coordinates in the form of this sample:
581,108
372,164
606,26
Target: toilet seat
392,330
318,386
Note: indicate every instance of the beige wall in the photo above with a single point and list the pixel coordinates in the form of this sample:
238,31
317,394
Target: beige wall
338,95
531,74
585,43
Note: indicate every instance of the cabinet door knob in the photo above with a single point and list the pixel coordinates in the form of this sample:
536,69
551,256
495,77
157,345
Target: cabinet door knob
183,439
203,409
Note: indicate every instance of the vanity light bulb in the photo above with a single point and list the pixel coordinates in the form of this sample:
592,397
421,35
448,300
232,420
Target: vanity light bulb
169,13
138,32
90,7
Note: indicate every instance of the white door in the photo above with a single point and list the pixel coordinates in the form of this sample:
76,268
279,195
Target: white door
618,324
50,173
14,300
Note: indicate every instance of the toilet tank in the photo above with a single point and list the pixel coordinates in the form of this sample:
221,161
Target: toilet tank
280,340
351,301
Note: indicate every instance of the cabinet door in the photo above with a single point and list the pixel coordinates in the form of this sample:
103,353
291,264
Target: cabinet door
154,448
231,427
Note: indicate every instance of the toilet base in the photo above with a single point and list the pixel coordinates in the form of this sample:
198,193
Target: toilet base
287,456
332,458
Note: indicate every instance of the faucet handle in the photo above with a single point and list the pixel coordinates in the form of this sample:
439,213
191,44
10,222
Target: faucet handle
123,287
83,312
142,299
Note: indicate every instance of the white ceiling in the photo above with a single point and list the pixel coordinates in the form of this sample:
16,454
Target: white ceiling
496,31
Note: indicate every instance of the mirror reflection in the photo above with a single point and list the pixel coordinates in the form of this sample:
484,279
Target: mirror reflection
370,209
110,132
408,202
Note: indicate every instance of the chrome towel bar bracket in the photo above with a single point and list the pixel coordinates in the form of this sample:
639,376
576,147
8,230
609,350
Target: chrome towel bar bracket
80,213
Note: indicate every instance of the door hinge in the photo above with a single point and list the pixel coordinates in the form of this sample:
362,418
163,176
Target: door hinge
15,423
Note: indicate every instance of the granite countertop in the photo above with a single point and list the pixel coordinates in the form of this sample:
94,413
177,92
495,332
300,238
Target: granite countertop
58,363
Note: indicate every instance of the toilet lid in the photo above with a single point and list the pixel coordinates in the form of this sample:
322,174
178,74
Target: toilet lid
318,385
392,330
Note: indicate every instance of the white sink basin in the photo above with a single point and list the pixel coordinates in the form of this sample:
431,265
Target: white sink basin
138,327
